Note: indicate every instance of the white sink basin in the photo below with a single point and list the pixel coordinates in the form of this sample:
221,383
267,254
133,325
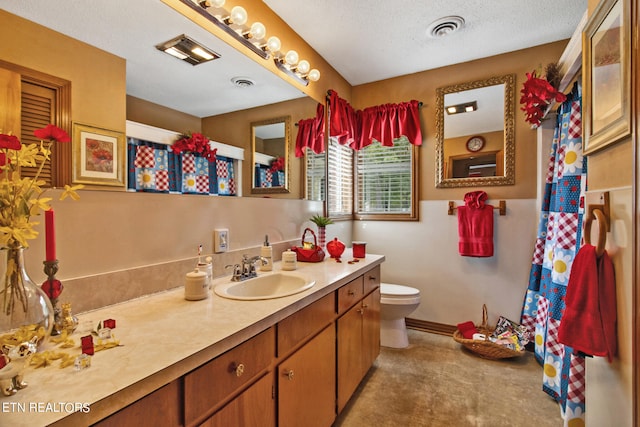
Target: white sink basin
267,286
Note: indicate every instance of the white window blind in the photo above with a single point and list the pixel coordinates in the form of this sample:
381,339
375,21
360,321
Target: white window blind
315,168
340,179
383,176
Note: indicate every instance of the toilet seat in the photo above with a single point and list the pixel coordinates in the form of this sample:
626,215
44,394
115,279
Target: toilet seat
398,294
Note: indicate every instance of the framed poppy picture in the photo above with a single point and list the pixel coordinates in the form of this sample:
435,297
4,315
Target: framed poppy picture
607,80
98,156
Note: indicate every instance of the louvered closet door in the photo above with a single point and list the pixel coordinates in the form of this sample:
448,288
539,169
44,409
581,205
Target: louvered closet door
37,111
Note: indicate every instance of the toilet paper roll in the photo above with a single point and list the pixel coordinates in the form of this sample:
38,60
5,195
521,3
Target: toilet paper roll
479,337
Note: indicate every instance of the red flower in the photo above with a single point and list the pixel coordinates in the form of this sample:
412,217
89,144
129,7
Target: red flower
101,155
53,133
10,141
195,143
537,94
277,164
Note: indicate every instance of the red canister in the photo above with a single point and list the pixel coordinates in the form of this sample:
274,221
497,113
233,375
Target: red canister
359,249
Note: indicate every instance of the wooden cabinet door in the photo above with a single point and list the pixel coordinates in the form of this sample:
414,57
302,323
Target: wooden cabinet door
255,407
307,383
370,330
349,354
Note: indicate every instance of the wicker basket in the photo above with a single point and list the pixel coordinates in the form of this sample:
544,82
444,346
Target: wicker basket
485,348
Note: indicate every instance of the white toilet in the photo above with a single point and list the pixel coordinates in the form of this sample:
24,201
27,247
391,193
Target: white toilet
396,303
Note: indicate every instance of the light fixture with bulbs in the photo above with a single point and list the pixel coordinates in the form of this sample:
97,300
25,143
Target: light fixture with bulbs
231,22
254,37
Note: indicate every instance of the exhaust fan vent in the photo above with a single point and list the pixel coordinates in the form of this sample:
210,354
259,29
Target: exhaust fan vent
445,26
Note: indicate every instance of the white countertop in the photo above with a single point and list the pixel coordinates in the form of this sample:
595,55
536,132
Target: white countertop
162,337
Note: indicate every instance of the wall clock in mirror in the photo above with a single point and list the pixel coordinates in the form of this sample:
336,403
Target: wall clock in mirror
475,143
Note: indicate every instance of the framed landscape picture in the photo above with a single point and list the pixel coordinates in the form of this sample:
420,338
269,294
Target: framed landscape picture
606,106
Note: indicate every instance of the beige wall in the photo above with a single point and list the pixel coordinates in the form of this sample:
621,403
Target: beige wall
98,79
422,86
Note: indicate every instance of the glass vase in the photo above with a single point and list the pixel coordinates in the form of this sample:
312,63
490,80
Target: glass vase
322,236
26,309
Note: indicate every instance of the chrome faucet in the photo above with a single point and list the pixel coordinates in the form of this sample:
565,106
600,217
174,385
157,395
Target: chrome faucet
246,269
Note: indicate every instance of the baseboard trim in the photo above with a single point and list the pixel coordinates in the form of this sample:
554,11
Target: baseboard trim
433,327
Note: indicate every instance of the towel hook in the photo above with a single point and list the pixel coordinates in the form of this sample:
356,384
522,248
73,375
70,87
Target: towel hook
601,214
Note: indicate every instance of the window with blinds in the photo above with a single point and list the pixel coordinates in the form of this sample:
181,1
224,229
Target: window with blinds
315,167
340,180
385,181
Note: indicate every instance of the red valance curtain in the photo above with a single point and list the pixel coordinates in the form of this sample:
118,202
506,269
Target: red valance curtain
344,124
311,133
384,123
387,122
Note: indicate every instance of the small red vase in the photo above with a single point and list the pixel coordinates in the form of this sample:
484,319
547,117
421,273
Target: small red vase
335,248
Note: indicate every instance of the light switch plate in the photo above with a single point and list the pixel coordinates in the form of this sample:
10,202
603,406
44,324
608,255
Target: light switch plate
220,240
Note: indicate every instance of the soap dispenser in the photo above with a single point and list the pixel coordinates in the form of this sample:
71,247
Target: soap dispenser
266,252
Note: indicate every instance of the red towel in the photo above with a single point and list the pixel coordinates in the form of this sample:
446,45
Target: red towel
588,323
475,226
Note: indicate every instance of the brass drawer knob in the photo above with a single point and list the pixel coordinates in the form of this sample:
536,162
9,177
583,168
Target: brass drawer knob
239,370
289,375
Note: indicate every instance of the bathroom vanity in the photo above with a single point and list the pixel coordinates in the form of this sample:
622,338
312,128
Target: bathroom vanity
287,361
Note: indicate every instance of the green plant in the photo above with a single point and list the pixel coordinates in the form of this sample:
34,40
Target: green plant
321,221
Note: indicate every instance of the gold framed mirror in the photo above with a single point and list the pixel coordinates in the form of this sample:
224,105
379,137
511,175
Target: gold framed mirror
475,133
270,141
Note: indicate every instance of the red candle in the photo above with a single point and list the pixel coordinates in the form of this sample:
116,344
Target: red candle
50,236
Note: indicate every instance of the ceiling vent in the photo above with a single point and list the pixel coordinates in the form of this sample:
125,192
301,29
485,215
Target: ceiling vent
242,81
445,26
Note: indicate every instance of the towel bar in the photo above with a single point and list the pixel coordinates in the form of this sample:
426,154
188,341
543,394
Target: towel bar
502,207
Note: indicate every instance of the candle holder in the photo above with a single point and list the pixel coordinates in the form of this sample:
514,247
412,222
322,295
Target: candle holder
63,320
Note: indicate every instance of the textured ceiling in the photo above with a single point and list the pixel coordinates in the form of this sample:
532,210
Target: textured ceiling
371,40
364,40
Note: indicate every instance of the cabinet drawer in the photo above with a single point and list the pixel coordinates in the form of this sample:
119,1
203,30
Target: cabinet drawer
145,411
350,293
304,323
371,279
210,384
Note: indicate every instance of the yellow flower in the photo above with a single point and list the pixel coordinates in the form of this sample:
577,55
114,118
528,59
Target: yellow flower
70,191
21,197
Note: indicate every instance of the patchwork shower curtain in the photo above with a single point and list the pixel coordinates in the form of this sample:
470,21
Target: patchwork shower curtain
557,242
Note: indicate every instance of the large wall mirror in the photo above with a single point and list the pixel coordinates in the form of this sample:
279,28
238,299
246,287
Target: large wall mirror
270,155
475,133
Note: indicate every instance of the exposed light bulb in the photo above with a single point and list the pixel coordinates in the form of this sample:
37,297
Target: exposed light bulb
258,30
314,75
238,15
273,44
303,66
217,3
291,57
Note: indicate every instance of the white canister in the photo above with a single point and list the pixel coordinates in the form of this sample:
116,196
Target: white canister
289,260
207,267
196,286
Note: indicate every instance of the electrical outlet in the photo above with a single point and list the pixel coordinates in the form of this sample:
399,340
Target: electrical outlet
220,240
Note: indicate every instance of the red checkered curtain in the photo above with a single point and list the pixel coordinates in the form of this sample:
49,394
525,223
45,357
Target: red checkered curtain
558,241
